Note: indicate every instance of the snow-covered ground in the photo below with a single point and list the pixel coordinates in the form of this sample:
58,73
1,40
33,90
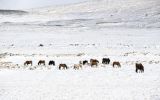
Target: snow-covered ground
127,31
63,45
87,84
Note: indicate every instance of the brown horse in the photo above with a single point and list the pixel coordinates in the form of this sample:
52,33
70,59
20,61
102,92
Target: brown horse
64,66
94,62
116,63
139,67
27,63
41,62
77,66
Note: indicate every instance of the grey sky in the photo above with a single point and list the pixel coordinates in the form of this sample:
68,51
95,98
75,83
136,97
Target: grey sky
26,4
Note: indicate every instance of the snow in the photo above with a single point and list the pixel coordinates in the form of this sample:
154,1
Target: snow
127,31
92,84
122,13
48,83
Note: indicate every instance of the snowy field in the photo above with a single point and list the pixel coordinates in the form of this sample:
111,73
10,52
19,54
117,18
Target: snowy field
64,46
128,32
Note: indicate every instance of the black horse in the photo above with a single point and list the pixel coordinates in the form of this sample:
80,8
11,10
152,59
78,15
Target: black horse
105,61
51,63
139,67
85,62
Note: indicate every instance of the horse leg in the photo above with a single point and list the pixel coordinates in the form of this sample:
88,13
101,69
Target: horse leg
81,67
105,62
142,71
108,62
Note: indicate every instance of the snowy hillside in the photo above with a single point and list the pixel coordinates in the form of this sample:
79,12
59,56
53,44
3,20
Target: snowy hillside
10,12
97,13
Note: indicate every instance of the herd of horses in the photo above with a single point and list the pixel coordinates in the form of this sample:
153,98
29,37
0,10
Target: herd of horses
92,63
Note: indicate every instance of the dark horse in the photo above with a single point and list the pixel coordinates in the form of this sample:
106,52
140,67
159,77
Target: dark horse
94,62
116,63
51,63
85,62
105,61
41,62
64,66
27,63
139,67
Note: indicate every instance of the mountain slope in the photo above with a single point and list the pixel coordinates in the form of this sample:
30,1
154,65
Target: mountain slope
97,13
10,12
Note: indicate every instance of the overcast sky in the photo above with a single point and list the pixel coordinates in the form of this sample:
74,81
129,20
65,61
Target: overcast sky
26,4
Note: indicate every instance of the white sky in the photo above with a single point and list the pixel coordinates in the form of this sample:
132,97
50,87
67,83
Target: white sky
26,4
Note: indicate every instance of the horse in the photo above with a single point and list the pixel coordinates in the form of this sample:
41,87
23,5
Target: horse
64,66
140,67
116,63
105,61
51,63
77,66
85,62
27,63
41,62
94,62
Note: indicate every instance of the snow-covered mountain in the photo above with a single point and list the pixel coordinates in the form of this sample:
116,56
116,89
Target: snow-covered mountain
94,13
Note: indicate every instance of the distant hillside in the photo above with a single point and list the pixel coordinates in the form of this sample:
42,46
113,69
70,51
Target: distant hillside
16,12
92,13
132,13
